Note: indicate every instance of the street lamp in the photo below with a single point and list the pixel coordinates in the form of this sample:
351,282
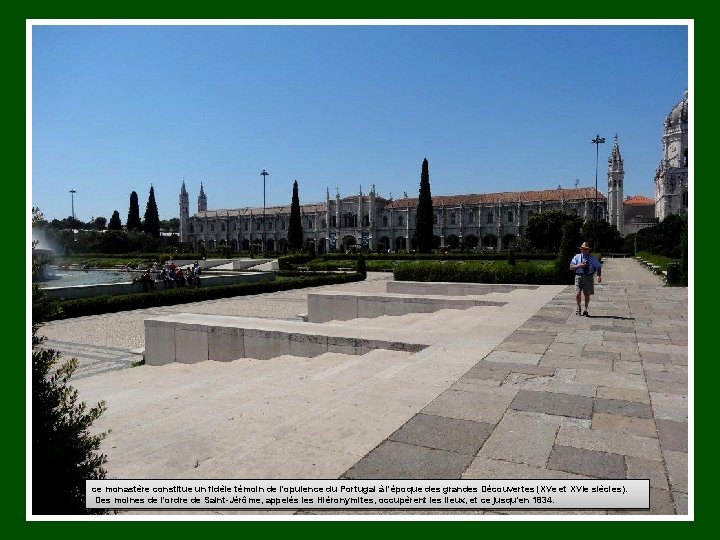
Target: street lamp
72,206
264,173
597,141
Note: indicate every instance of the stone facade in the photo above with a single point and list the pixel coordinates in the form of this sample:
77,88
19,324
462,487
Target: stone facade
671,177
491,220
639,213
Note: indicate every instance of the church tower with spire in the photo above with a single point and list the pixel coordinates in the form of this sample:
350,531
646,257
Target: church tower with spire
616,175
202,200
184,212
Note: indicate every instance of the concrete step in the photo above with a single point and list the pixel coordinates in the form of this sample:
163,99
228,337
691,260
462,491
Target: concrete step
192,338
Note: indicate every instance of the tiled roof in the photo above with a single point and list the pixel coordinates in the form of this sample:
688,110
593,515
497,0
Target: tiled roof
638,200
270,211
548,195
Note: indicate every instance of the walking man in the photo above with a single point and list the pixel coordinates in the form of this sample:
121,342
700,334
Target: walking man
585,266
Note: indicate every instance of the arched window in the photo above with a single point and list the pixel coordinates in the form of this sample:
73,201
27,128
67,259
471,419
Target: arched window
490,217
510,217
452,218
471,217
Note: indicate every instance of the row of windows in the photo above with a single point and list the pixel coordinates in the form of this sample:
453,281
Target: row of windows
351,220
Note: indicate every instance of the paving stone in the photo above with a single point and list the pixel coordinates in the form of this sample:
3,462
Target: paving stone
514,357
612,442
645,427
484,405
635,368
623,407
677,467
523,381
666,376
463,436
673,435
669,407
638,468
576,362
471,385
520,439
496,469
660,504
601,354
480,371
396,460
544,338
518,368
681,502
519,347
587,462
553,403
565,349
663,358
572,388
615,380
613,328
667,387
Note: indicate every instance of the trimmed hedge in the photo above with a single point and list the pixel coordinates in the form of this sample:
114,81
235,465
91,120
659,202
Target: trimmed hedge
96,305
492,272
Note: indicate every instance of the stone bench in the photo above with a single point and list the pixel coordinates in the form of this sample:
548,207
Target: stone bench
190,338
344,305
452,289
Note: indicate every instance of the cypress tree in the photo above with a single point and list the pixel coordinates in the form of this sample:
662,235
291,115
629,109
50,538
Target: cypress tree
133,219
115,224
569,243
64,447
424,231
295,232
151,224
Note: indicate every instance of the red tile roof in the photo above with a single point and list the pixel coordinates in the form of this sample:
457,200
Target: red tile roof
638,200
548,195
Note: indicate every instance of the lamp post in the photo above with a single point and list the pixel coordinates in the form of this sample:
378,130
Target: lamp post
72,206
264,173
597,141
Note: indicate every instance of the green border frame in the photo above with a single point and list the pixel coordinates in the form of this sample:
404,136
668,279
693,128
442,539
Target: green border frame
14,448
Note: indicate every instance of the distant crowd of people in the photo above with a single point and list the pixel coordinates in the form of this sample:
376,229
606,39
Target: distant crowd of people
170,275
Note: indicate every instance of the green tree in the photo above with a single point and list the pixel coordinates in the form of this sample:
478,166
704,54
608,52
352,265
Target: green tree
96,223
133,219
424,221
569,242
295,232
64,453
544,229
115,224
602,237
683,268
151,223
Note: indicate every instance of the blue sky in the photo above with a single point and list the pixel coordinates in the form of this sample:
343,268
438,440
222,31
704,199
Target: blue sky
493,108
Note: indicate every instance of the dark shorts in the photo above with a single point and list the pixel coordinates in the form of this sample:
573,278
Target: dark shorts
584,283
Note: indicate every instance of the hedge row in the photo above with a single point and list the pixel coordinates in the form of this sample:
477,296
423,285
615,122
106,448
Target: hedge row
96,305
522,272
441,256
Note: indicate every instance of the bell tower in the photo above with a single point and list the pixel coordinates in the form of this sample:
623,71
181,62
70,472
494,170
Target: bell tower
202,200
616,175
184,212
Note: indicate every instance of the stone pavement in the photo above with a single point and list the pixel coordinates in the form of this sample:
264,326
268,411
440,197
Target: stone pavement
558,396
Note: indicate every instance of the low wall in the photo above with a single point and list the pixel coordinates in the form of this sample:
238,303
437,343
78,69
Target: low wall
343,306
82,291
452,289
190,338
